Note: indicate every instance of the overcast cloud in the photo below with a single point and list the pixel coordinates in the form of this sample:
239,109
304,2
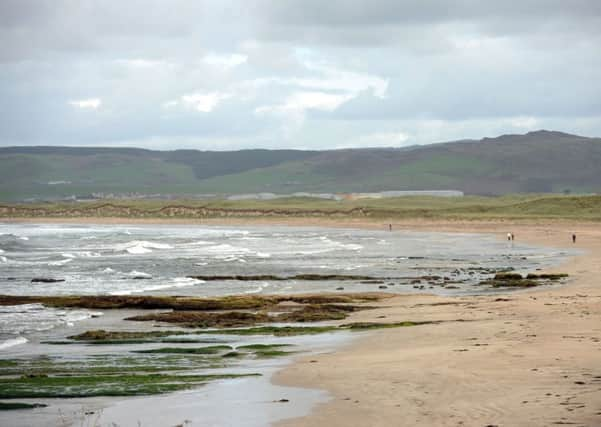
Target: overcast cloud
222,74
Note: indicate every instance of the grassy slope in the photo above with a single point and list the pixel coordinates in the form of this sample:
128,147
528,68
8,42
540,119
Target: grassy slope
498,166
537,162
470,207
30,173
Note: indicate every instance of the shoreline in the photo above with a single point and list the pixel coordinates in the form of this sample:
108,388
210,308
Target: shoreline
520,359
480,373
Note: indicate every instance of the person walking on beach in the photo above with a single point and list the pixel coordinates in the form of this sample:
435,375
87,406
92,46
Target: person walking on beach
512,237
573,237
509,237
389,227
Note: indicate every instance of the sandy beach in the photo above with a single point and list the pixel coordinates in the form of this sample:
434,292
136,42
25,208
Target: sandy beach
529,358
520,358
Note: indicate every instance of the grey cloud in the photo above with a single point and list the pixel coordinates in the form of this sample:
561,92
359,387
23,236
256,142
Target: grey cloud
451,68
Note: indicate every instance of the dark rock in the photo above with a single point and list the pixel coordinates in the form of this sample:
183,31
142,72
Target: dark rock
45,280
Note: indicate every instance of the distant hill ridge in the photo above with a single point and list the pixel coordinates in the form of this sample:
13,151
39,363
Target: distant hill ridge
540,161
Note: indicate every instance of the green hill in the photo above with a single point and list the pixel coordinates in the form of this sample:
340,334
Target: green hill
537,162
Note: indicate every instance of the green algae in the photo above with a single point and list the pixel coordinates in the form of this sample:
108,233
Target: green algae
102,385
10,406
265,354
186,350
262,346
110,365
277,331
233,354
102,335
132,341
363,326
264,351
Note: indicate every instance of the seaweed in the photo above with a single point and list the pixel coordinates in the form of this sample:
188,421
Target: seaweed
10,406
102,385
186,350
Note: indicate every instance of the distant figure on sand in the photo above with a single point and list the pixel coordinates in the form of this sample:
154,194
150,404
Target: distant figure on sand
573,238
508,237
512,237
389,227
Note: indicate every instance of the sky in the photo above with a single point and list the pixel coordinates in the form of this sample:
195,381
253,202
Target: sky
306,74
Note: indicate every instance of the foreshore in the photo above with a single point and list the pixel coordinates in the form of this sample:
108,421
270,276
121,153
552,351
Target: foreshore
529,358
525,358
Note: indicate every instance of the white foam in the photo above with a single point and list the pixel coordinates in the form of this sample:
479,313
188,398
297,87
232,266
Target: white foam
21,319
263,255
23,238
62,262
200,243
178,282
12,342
258,289
137,247
227,249
186,281
88,254
76,316
141,274
3,259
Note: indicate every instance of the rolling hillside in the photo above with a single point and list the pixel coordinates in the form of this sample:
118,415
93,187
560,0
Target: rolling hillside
539,162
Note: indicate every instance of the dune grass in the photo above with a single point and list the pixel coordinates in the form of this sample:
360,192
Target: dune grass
519,206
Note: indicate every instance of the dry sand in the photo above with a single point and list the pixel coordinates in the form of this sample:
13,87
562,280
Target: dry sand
530,358
527,358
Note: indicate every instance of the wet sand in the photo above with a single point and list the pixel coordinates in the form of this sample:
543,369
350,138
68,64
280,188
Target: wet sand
527,358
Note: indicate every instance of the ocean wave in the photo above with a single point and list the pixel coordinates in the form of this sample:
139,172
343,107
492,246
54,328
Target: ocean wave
25,318
81,254
320,245
199,243
230,258
227,249
3,259
61,262
178,282
12,242
134,274
258,289
137,247
12,342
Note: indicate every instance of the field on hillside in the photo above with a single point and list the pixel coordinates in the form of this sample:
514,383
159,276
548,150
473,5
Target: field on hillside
538,162
586,208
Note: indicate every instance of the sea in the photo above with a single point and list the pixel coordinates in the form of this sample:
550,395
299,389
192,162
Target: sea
89,259
163,259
